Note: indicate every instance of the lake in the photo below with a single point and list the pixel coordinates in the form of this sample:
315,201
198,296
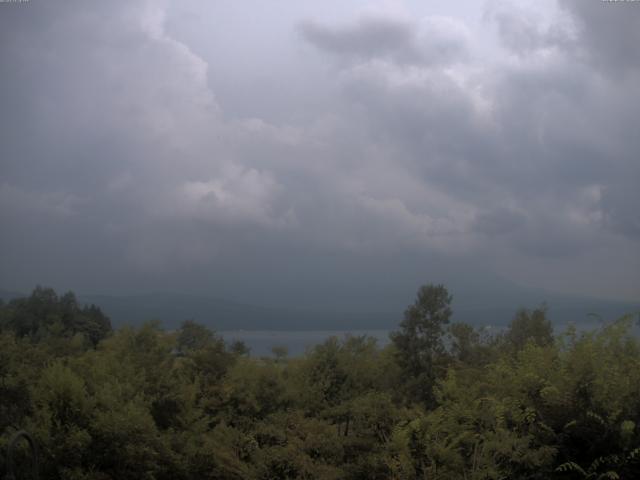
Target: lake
297,342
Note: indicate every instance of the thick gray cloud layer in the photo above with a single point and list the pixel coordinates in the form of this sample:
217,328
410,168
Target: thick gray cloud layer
438,41
373,151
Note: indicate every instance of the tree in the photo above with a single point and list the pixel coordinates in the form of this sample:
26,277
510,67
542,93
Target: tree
45,315
193,336
530,327
280,352
465,342
419,342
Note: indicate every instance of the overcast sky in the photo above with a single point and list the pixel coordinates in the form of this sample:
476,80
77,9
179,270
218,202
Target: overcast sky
333,153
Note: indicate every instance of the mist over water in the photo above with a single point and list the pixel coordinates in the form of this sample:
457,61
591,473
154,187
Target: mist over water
261,343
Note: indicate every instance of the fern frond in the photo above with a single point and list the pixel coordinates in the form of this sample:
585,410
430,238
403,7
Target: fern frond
597,418
633,454
611,475
571,467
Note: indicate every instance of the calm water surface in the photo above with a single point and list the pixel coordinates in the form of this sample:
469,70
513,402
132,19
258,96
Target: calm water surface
297,342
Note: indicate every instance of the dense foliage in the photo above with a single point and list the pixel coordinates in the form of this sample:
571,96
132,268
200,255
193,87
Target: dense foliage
441,401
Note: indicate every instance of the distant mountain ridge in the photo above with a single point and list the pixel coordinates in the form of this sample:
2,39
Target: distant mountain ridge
220,314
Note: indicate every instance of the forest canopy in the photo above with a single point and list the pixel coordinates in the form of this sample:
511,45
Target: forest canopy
442,400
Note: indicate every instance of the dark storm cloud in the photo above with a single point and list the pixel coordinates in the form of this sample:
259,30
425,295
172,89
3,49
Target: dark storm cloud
370,38
609,33
521,32
499,221
438,41
544,135
428,162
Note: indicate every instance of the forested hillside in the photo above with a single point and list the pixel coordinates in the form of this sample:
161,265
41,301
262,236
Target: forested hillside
442,401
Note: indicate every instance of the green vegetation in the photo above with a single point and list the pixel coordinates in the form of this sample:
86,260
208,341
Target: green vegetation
441,401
